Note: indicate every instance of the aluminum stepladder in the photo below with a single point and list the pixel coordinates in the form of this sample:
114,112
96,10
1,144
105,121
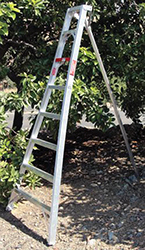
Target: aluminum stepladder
80,13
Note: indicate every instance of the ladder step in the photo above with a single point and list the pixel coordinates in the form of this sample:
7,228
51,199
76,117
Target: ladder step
45,144
39,172
50,115
32,199
58,87
69,32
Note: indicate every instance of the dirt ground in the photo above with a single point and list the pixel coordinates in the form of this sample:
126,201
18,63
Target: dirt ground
102,206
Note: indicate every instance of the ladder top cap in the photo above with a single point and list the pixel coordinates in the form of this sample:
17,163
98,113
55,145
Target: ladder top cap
78,8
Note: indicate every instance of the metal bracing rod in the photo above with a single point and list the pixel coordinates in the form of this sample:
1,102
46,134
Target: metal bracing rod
94,45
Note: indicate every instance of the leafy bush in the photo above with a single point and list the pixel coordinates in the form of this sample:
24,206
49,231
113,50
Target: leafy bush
12,150
9,176
88,98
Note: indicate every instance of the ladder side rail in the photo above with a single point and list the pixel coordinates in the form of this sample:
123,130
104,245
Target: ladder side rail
94,45
59,51
62,131
52,77
47,94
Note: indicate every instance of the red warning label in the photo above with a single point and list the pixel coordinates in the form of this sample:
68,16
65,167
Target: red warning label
73,68
53,71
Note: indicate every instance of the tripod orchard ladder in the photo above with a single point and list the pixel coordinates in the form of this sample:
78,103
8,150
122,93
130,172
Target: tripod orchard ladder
78,13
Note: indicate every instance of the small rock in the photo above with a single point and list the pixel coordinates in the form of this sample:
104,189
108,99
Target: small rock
100,172
91,244
143,174
121,192
136,244
84,228
112,225
125,187
94,184
63,224
132,218
97,235
139,234
120,224
127,208
110,235
130,237
133,199
93,172
132,179
103,230
18,247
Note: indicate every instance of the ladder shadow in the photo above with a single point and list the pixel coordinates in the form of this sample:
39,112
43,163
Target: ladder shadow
14,221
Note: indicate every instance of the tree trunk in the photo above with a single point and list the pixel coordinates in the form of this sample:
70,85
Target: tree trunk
18,120
18,116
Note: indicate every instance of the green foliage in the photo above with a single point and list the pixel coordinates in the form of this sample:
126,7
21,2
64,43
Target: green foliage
118,27
8,178
94,98
12,149
2,122
87,99
7,14
3,72
32,180
32,90
31,94
119,31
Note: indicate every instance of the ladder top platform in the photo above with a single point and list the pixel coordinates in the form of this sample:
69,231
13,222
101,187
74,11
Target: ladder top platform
78,8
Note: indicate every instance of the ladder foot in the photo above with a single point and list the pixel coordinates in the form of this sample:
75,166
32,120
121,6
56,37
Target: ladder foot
9,207
51,244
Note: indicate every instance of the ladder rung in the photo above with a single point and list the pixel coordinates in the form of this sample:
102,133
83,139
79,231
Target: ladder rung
35,201
50,115
69,32
45,144
62,59
52,86
39,172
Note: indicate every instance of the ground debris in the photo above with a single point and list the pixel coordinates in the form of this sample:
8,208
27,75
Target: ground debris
96,201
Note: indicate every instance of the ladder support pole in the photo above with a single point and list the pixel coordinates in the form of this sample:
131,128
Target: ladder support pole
94,45
62,129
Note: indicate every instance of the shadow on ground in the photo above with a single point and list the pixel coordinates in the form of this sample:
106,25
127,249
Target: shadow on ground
100,197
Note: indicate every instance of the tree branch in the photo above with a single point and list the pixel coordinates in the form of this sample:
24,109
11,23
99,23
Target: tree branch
15,44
